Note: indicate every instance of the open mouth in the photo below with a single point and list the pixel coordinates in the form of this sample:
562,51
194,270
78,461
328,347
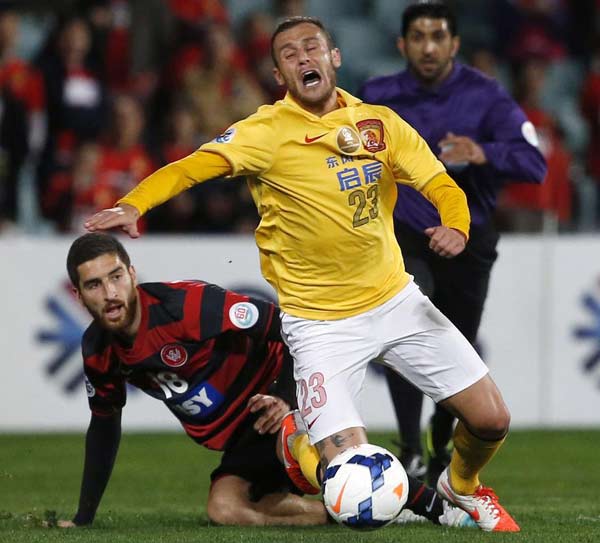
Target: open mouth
311,78
113,311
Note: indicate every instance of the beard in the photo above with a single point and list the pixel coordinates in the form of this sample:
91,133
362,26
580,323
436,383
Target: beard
126,318
435,73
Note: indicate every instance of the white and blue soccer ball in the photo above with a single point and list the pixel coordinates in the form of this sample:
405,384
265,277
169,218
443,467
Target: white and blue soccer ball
365,487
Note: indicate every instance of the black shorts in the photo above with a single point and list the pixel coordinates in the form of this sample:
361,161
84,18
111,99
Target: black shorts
253,458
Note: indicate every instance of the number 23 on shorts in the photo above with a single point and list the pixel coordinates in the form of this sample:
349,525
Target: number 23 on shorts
312,393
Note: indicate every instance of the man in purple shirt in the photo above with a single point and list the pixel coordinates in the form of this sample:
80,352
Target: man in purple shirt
485,140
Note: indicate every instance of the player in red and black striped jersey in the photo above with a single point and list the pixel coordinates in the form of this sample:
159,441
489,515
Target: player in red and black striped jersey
214,357
202,350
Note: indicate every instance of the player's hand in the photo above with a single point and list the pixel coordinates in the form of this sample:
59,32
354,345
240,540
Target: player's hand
273,410
446,242
59,523
125,216
457,149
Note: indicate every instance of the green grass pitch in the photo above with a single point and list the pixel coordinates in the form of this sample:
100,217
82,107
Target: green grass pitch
549,480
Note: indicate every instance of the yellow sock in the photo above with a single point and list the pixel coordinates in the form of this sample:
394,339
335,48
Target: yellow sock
470,455
308,458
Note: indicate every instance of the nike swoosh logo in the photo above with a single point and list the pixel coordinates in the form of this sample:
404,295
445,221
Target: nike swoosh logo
429,507
337,506
310,140
474,513
310,424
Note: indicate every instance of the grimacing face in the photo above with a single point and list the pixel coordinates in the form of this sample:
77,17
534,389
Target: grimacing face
429,49
107,290
306,65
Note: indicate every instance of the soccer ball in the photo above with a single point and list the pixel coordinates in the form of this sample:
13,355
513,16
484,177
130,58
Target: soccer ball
365,487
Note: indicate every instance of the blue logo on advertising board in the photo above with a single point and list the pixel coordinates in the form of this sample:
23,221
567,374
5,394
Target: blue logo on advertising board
591,332
66,337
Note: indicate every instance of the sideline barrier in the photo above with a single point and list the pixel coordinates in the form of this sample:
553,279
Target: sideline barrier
540,334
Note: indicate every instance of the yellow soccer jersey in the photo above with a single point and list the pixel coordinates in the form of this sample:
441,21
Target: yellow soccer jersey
325,189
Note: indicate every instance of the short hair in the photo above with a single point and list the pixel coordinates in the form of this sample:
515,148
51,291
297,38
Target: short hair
291,22
90,246
432,9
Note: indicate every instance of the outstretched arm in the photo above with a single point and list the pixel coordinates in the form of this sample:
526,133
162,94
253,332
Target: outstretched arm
157,188
101,446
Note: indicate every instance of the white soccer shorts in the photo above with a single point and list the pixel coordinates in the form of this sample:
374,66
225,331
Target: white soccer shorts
407,333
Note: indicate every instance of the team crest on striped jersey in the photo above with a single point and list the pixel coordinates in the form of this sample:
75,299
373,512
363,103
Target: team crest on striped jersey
243,315
173,355
371,133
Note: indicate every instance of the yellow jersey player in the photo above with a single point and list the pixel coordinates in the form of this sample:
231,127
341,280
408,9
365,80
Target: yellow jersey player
322,168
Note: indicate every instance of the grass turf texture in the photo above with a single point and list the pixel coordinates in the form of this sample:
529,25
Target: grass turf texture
548,480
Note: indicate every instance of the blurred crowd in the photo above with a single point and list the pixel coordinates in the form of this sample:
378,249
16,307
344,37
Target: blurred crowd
97,94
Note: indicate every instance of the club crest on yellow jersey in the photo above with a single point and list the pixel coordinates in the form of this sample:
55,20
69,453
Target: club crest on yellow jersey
348,140
371,133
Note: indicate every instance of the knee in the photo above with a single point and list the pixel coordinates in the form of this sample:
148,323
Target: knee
220,511
492,424
482,410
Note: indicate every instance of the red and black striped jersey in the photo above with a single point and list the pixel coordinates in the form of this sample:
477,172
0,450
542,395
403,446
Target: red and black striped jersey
202,350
